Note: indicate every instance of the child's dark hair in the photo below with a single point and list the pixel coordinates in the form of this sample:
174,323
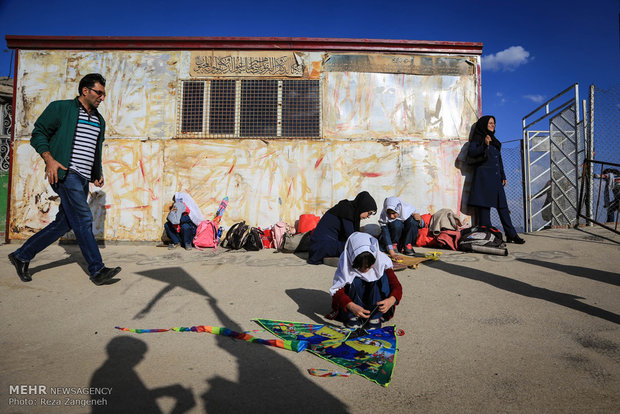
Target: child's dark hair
364,260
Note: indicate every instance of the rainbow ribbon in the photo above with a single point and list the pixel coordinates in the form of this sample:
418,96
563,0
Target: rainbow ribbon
296,346
141,331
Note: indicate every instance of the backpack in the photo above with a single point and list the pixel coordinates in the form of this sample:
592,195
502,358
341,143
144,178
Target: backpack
295,243
278,231
267,238
236,236
206,235
254,241
487,236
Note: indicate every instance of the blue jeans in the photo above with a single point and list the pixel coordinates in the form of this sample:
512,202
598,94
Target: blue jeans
186,234
73,214
400,232
367,294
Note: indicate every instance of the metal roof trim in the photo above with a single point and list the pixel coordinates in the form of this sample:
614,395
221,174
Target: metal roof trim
247,43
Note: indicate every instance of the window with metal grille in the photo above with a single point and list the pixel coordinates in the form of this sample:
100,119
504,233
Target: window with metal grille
250,108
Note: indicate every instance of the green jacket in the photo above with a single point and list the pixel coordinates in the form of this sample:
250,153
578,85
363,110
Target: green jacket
54,132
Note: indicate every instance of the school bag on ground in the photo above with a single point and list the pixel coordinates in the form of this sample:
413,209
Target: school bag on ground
206,235
278,231
254,241
482,239
266,238
295,243
236,236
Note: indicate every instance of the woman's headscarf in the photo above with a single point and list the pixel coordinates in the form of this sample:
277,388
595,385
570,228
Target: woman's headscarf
481,130
403,209
194,212
358,243
351,210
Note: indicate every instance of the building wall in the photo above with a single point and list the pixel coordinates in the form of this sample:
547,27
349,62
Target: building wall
391,124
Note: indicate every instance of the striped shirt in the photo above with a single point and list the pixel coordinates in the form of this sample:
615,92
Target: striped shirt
85,143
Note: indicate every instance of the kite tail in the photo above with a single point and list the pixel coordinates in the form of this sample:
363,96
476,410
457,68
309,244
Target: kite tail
140,331
296,346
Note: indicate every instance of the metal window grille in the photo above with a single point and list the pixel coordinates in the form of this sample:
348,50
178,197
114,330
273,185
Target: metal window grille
249,108
300,109
222,107
193,95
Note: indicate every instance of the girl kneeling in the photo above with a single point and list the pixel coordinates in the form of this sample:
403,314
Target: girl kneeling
365,285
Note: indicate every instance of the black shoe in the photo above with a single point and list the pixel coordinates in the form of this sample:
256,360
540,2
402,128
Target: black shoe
353,323
515,239
104,275
408,251
21,267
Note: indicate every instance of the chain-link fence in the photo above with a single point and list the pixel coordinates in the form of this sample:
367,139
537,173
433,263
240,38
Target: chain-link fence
604,114
511,156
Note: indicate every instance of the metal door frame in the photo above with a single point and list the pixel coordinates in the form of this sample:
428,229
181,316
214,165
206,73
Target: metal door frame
539,141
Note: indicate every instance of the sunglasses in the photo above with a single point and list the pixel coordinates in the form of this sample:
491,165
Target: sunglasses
98,92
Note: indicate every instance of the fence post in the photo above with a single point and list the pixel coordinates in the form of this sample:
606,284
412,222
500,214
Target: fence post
590,156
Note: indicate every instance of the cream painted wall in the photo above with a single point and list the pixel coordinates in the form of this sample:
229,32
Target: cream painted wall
390,134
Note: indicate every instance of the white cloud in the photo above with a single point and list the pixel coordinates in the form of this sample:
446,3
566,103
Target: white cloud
535,98
507,60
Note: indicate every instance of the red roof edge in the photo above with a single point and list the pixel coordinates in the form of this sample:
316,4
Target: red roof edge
249,43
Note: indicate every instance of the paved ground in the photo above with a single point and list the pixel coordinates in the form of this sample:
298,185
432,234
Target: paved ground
536,331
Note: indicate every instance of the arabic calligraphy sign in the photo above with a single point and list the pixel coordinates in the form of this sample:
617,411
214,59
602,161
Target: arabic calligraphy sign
240,63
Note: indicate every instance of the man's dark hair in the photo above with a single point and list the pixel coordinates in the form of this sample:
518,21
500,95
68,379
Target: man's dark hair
89,81
364,260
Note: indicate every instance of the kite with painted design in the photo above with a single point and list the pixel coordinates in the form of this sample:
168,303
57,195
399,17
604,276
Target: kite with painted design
371,353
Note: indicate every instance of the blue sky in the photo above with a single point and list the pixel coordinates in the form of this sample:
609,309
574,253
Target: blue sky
532,49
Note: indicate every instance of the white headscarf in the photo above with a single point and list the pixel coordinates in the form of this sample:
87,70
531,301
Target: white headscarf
358,243
403,209
194,212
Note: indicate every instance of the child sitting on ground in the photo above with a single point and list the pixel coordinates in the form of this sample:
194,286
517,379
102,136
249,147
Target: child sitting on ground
365,285
400,223
337,224
182,221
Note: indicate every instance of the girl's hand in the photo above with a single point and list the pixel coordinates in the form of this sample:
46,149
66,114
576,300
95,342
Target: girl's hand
357,310
392,254
504,183
417,217
487,140
386,304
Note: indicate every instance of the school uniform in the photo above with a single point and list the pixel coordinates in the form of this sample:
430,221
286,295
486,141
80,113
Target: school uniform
402,230
183,221
364,289
337,224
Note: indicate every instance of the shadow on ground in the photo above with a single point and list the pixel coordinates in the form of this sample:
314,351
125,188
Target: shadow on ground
525,289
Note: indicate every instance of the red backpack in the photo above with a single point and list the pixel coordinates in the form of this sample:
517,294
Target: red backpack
206,235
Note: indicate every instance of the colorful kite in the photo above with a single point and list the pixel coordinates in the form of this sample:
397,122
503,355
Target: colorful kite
220,211
370,354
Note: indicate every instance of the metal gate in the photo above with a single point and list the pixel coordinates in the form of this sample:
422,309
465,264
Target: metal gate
554,148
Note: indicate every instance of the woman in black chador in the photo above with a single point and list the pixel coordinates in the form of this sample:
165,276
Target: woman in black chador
487,188
337,224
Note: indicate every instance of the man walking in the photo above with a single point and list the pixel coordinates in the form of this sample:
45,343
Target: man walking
69,137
